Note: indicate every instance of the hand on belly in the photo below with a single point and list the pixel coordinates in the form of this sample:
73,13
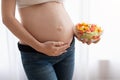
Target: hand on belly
52,48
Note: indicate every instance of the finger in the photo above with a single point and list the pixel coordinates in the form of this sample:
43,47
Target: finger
58,54
84,40
62,52
96,41
65,51
81,40
58,43
63,48
89,42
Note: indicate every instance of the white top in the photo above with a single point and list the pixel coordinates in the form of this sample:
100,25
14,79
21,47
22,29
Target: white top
26,3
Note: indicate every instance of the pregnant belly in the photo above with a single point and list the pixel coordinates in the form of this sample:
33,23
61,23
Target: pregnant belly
48,22
52,33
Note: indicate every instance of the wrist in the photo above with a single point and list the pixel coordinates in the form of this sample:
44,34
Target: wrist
38,46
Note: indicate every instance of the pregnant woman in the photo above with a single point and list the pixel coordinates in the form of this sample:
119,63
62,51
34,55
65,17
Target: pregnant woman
45,36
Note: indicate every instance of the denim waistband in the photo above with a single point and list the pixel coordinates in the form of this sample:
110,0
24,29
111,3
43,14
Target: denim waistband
27,48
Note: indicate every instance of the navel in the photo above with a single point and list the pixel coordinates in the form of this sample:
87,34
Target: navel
60,28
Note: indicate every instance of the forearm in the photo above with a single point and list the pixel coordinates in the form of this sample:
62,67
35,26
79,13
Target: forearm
20,32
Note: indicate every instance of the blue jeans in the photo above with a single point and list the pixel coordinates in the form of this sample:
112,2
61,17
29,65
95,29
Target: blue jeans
39,66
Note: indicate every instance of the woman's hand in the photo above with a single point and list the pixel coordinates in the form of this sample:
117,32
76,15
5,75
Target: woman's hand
97,40
52,48
86,41
83,40
89,41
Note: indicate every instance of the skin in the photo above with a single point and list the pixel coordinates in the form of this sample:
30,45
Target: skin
45,27
89,42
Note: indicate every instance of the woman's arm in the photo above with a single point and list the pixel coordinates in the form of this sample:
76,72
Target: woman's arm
8,17
50,48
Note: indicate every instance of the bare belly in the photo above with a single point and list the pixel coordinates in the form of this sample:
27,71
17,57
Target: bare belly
47,22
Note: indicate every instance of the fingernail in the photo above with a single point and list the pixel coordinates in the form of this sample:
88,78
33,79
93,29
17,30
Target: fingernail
65,51
62,42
